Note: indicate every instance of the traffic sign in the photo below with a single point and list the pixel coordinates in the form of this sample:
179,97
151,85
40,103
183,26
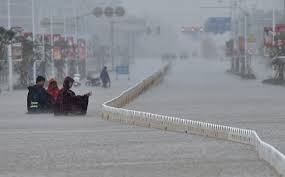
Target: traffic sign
251,39
120,11
123,70
218,24
109,12
251,51
97,12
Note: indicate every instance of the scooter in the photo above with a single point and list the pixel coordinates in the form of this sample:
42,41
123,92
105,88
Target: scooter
93,82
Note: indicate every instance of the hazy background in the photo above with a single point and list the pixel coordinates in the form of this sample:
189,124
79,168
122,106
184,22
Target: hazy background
183,12
180,12
170,15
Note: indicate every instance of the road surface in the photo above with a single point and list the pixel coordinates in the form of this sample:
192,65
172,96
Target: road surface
200,90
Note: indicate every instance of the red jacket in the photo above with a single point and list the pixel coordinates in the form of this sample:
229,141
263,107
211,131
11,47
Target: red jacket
53,91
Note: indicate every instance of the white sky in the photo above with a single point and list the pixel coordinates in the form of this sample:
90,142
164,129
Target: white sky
175,12
188,12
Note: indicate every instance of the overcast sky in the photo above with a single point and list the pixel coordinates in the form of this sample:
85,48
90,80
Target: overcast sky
175,12
188,12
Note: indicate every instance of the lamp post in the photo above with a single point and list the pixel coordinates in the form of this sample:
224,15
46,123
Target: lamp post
284,6
65,39
246,70
10,59
52,43
76,18
273,26
34,39
245,46
112,44
43,41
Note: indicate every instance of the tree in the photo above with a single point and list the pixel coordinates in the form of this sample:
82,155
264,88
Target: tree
59,64
6,37
21,66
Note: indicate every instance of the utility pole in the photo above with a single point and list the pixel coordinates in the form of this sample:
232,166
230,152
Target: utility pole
133,46
43,40
52,43
34,39
74,4
65,39
273,26
10,59
234,36
246,70
112,43
284,6
76,41
245,42
33,20
42,34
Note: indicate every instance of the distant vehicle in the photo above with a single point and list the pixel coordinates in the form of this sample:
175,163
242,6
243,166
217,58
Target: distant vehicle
194,54
169,56
93,81
279,68
184,56
77,80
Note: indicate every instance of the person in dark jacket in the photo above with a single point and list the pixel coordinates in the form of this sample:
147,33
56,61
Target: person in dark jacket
38,99
67,103
105,78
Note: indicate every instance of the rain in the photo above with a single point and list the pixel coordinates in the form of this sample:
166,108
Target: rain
132,88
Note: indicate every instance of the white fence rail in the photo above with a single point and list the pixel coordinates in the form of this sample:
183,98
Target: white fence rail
112,110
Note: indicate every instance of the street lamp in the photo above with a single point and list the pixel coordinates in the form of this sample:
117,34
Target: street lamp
34,38
10,59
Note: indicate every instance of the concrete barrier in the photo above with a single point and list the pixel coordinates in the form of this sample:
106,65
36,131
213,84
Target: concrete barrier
113,111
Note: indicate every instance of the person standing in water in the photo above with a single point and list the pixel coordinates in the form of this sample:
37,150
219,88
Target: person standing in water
68,103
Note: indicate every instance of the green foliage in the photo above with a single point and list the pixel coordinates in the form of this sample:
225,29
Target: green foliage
64,46
6,37
276,51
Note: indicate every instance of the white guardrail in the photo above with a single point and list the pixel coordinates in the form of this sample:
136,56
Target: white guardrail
112,110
